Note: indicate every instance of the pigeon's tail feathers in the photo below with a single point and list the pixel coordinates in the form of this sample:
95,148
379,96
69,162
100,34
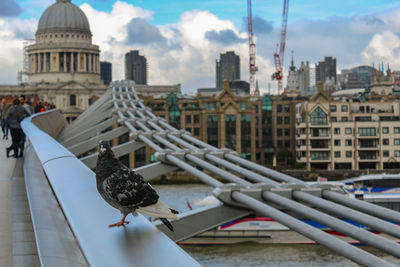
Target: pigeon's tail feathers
158,210
167,223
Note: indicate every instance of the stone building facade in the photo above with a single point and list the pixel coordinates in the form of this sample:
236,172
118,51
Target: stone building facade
348,133
64,65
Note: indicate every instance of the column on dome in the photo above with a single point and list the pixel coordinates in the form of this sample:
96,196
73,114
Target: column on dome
54,65
65,62
31,63
39,62
72,62
87,62
60,61
44,62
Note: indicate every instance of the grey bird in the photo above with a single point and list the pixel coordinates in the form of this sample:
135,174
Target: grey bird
126,190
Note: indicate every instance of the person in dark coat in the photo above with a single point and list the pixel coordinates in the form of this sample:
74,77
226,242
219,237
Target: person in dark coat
15,115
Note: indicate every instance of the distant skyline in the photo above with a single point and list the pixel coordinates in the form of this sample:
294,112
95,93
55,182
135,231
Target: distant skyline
182,39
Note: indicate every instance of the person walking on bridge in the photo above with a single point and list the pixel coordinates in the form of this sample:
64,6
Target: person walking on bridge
4,106
14,116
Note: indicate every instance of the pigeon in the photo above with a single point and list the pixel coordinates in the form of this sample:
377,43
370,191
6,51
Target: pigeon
126,190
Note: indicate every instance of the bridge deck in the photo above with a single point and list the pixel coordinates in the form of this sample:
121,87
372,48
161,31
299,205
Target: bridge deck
17,241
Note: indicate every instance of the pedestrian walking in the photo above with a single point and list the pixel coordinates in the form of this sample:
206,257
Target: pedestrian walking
4,106
14,116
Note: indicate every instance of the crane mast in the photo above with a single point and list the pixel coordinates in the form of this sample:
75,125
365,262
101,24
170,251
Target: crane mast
252,50
278,58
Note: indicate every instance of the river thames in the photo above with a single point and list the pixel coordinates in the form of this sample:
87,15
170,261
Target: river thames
251,254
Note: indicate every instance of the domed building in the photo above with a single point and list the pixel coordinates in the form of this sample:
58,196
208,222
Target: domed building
64,65
64,47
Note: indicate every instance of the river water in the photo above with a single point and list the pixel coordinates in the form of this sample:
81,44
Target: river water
251,254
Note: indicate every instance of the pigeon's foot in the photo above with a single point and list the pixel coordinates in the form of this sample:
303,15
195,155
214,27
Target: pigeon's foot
121,223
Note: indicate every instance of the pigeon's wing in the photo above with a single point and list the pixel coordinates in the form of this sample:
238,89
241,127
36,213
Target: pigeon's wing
127,189
158,210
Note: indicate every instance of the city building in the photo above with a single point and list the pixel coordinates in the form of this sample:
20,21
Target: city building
381,83
227,68
153,90
348,133
135,67
64,65
357,77
303,77
326,70
106,72
292,88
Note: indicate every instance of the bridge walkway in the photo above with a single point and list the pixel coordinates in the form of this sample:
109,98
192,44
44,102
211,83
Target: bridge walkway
17,239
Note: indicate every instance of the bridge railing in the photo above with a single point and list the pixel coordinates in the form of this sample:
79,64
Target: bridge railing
87,215
263,191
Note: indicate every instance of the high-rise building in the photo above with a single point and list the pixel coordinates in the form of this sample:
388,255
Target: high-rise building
303,77
106,72
326,70
135,67
227,68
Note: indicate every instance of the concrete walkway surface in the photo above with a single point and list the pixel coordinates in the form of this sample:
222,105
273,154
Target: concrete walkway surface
17,240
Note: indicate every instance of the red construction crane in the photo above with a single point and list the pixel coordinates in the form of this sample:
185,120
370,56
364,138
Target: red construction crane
252,51
278,58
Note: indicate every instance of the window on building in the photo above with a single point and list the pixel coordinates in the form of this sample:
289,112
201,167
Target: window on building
72,100
286,108
280,144
319,117
349,154
336,130
287,132
345,119
319,155
287,143
209,106
278,120
245,125
188,118
337,142
344,107
287,120
333,108
230,131
396,142
212,130
196,119
385,142
385,153
397,153
333,119
337,154
347,131
385,130
196,131
367,131
348,142
278,108
189,130
279,132
396,130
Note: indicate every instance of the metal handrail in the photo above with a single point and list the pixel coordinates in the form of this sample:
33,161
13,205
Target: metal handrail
88,215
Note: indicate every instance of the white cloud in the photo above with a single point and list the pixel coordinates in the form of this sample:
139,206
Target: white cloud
383,47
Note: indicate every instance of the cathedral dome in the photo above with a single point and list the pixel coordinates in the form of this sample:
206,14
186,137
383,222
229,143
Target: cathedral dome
63,16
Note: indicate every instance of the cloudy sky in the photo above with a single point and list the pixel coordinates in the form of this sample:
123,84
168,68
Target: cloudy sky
181,39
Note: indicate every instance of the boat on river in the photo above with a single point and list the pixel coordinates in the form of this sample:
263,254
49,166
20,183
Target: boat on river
380,189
